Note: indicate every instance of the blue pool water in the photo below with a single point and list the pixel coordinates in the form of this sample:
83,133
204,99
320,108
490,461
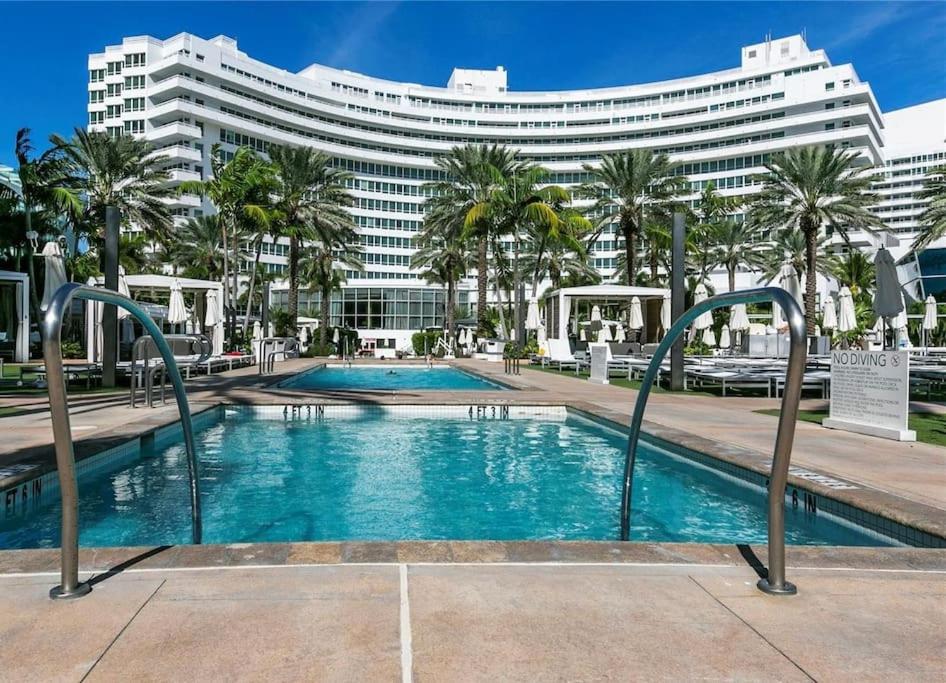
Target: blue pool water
371,477
391,378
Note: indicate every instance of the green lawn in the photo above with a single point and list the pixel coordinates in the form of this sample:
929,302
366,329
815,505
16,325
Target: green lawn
626,384
11,371
929,427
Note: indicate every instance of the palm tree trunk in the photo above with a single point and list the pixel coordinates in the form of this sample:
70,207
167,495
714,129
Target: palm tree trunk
500,306
249,296
482,273
732,278
448,314
235,243
226,266
811,276
293,282
538,267
630,250
323,317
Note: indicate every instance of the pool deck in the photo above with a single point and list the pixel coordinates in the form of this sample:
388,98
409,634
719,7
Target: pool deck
489,611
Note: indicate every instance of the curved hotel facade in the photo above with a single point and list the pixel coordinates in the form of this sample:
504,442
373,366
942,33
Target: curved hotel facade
185,94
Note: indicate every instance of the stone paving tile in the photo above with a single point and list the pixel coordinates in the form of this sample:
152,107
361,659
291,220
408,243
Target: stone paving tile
302,623
847,627
578,623
46,640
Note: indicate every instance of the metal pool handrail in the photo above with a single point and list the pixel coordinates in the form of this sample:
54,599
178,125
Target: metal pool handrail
70,587
775,582
143,341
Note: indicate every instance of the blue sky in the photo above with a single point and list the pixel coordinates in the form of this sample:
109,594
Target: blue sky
898,47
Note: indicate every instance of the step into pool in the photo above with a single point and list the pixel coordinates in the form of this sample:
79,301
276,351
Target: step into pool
390,377
361,472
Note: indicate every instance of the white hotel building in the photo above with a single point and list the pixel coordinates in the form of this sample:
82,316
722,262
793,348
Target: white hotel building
185,94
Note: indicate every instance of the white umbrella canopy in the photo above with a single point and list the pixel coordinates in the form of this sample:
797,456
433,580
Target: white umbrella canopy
665,312
595,313
304,334
788,280
619,335
335,336
177,313
847,318
257,330
704,320
738,318
55,272
929,313
724,339
829,315
532,315
635,318
604,334
709,337
213,319
124,291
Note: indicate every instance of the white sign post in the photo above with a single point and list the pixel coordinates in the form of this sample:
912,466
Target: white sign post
599,363
870,393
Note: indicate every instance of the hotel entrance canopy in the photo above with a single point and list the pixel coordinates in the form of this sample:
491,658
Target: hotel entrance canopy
559,306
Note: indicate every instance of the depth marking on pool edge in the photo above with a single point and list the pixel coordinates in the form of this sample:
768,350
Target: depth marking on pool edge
407,658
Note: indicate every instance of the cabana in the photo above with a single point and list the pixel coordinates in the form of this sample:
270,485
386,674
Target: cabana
15,316
154,283
561,304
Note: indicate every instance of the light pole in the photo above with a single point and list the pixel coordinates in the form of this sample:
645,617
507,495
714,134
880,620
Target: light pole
677,302
110,312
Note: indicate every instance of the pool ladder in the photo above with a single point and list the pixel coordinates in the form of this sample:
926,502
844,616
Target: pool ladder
70,586
774,583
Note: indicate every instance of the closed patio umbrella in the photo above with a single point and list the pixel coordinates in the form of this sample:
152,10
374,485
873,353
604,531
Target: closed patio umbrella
788,280
847,318
738,319
829,316
635,318
704,320
929,313
541,334
272,329
665,321
888,300
532,315
304,334
177,313
604,334
124,291
582,336
724,341
619,335
335,337
709,337
257,330
595,313
55,272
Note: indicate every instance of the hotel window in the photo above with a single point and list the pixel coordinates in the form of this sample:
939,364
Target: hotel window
113,111
135,127
829,105
135,59
114,68
96,117
96,75
135,104
114,131
134,82
96,96
829,86
114,89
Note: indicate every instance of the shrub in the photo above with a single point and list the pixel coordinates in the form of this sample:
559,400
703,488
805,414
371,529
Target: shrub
315,350
72,349
431,336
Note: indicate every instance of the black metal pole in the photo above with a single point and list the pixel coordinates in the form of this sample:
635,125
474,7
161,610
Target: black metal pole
110,313
677,300
264,310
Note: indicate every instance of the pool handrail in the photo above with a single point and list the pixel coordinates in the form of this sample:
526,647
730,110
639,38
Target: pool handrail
147,374
70,586
266,361
774,583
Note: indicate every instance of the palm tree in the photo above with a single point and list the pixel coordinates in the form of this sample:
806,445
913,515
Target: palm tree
788,246
560,260
854,270
324,271
119,171
563,234
240,190
134,253
462,201
735,244
628,185
312,202
198,248
711,211
808,188
443,260
933,218
45,185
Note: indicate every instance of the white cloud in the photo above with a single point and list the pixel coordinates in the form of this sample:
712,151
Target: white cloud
361,28
863,26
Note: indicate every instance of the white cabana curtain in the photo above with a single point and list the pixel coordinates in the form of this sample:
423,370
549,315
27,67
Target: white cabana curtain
532,315
93,328
214,320
21,352
564,316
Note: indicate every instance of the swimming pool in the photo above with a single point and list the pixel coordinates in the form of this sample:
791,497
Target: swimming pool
391,473
390,377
